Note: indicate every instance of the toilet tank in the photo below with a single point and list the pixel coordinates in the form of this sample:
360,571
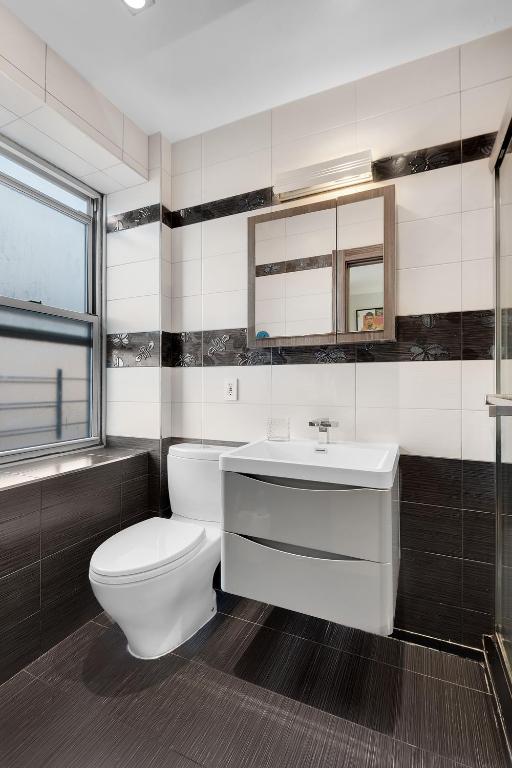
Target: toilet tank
194,481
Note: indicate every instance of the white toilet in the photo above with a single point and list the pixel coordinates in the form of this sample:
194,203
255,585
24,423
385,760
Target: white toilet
154,578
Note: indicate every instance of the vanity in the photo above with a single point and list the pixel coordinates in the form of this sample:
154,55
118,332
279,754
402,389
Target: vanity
314,531
314,527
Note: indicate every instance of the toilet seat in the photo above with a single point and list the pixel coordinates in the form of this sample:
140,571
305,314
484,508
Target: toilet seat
146,550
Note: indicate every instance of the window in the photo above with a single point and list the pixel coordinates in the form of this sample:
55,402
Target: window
50,283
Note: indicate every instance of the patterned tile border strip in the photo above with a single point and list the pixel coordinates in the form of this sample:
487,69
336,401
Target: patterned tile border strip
445,336
148,214
216,209
133,350
294,265
384,169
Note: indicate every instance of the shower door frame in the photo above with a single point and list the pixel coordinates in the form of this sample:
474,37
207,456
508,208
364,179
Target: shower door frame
501,143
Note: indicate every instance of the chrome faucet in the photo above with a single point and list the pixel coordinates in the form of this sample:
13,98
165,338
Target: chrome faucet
323,424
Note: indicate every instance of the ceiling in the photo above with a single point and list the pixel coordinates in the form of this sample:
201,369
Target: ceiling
185,66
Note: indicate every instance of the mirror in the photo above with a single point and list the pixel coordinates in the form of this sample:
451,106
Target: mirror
295,263
323,273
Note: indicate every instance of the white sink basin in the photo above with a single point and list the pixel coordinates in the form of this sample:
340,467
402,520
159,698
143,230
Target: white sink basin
368,465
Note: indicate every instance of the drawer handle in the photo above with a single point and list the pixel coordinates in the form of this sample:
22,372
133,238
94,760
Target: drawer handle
290,549
330,488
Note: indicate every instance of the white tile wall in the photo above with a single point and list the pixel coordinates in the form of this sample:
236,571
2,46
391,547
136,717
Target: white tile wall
444,250
422,125
429,289
477,234
235,140
237,175
486,59
136,244
429,194
187,314
254,383
140,313
187,385
478,436
413,83
314,385
186,155
478,284
224,310
426,242
133,419
314,114
141,278
186,278
314,148
482,108
186,243
186,189
477,382
134,385
430,432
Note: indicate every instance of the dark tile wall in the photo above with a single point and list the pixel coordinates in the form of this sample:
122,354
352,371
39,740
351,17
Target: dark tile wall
48,531
446,585
153,450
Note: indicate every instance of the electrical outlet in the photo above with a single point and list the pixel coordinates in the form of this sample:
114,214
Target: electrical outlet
230,389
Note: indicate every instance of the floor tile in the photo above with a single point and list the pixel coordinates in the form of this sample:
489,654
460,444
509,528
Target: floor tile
410,707
240,607
388,650
243,695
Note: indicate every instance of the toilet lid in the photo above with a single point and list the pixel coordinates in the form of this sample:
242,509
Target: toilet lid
146,546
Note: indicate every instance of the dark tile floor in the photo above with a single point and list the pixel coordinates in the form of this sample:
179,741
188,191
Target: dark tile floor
258,687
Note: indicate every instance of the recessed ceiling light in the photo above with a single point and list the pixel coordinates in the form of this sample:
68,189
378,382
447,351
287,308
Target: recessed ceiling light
137,6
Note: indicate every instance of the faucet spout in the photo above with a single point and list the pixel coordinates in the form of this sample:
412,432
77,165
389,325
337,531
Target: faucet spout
323,424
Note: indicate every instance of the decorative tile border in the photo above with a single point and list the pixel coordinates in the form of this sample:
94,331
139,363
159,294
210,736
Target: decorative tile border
133,350
418,338
434,337
182,350
432,158
228,206
136,218
294,265
321,355
478,335
384,169
419,161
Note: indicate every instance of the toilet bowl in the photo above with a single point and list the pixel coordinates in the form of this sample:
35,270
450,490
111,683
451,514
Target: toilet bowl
154,579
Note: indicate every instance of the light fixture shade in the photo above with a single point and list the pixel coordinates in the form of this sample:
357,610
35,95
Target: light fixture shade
137,6
322,177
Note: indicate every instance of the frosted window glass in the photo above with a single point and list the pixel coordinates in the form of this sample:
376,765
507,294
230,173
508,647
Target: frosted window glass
43,253
42,184
45,379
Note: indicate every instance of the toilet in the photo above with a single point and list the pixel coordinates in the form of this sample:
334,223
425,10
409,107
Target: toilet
154,579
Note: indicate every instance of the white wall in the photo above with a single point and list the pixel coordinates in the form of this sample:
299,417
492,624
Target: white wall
444,254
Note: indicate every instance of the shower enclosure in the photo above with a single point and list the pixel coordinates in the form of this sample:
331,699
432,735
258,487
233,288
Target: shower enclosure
499,651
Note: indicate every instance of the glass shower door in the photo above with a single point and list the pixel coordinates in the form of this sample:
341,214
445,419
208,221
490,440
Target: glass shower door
501,403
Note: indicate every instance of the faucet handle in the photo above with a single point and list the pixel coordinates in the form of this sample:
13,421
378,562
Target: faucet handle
323,422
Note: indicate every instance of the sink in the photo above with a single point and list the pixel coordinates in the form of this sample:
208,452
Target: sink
367,465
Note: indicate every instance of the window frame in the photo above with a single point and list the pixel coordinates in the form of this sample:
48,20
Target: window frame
94,219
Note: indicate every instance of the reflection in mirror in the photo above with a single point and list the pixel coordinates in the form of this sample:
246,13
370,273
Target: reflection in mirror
294,274
365,297
361,223
361,265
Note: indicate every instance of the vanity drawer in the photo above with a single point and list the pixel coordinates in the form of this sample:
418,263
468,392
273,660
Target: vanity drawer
356,593
356,522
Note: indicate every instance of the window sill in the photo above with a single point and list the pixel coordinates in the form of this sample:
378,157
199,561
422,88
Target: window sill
35,470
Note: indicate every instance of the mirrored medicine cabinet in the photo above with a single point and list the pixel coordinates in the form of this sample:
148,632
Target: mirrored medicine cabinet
323,273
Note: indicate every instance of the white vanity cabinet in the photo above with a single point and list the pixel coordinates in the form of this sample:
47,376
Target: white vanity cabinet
327,550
